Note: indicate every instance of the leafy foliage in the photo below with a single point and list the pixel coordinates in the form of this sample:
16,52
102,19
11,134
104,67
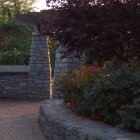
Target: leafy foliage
106,95
15,37
105,29
15,42
10,8
15,34
131,117
14,57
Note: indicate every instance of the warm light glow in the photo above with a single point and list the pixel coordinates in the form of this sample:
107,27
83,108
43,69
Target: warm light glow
40,5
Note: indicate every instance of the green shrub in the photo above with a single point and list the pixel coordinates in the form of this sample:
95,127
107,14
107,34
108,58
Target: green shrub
15,43
15,34
131,117
14,57
75,86
104,95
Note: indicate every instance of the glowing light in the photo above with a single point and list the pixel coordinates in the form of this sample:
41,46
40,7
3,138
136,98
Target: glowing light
40,5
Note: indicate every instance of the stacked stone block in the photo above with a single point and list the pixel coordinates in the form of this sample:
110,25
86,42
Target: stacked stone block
14,85
39,68
65,65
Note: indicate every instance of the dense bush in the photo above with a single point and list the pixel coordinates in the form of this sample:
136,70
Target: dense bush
14,57
10,8
15,42
106,29
104,94
15,34
131,117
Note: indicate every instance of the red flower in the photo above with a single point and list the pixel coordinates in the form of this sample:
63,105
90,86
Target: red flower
95,68
104,66
119,110
92,69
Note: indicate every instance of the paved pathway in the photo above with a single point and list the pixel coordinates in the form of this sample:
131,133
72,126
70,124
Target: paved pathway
19,120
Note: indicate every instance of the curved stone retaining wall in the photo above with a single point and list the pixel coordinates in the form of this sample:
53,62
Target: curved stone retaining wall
59,123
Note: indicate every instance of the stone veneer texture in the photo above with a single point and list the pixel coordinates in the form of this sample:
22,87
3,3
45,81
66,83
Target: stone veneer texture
39,68
14,85
64,65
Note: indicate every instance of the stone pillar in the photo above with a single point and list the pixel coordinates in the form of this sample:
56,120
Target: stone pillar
65,65
39,68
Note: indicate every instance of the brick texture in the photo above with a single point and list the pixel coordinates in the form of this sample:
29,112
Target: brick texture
19,120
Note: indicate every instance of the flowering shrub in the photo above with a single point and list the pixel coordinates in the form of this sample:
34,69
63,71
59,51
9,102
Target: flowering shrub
104,94
78,83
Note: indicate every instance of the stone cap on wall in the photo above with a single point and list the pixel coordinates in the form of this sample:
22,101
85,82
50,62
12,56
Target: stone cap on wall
13,68
35,33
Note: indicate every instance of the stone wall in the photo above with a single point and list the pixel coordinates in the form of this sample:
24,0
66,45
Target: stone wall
39,68
59,123
14,84
34,83
37,77
64,65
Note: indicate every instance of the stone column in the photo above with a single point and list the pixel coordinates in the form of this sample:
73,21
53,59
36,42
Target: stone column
64,65
39,68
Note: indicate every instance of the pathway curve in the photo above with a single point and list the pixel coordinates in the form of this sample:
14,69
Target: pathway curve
19,120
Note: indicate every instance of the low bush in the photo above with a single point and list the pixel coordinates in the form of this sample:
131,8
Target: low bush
75,85
104,94
15,42
131,117
14,57
14,34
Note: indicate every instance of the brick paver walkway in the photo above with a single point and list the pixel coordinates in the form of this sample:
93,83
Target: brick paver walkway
19,120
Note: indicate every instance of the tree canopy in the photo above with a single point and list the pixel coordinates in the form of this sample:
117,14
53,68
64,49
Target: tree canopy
105,29
10,8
